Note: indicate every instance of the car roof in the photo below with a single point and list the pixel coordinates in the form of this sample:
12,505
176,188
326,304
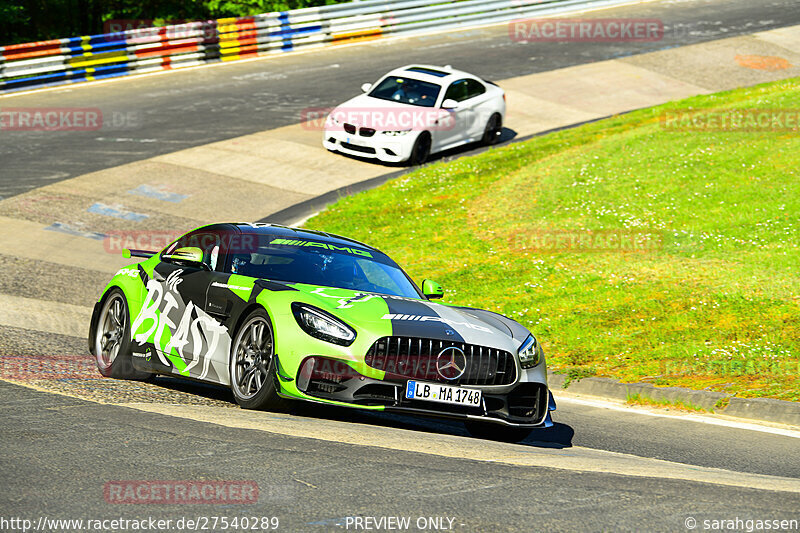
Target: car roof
431,73
266,228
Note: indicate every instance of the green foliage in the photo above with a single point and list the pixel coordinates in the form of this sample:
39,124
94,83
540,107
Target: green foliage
640,399
577,374
36,20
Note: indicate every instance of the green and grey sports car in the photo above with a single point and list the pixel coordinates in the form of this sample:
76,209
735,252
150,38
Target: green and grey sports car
279,313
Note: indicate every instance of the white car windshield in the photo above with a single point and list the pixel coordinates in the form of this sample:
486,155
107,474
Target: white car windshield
407,91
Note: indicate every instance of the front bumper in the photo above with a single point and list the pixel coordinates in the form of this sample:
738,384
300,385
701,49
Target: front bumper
387,149
522,404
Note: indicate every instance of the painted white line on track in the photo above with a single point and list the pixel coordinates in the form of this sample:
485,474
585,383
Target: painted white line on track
688,417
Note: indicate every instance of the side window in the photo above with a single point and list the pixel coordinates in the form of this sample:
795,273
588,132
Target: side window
475,88
457,91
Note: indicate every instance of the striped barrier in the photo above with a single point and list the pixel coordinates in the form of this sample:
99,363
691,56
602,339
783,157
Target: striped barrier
142,50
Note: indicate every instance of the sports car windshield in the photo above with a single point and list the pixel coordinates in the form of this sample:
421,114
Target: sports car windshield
322,263
407,91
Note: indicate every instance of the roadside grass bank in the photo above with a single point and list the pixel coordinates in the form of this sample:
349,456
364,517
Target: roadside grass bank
633,248
638,399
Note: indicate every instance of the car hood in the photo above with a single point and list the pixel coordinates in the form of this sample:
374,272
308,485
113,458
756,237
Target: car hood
410,317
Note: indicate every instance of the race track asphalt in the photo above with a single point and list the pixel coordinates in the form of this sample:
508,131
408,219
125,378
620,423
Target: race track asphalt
59,453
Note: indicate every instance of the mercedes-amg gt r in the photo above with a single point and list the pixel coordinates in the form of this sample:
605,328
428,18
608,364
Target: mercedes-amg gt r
278,314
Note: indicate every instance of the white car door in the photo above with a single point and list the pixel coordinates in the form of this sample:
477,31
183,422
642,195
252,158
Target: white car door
479,100
462,116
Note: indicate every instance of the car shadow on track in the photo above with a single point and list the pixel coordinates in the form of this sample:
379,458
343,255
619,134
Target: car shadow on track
558,436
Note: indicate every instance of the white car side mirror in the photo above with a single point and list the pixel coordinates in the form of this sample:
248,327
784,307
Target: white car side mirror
366,87
449,104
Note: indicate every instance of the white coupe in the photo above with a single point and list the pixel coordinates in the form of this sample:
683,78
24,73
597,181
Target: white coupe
415,111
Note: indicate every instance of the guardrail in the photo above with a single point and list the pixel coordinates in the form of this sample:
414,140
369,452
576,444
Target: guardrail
137,51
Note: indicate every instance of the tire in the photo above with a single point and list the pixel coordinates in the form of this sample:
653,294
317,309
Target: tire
421,150
252,365
489,431
491,133
112,339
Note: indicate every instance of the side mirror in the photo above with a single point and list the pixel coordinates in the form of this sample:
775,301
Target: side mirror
449,104
366,87
189,256
432,290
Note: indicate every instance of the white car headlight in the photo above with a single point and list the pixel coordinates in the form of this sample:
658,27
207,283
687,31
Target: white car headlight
529,354
395,133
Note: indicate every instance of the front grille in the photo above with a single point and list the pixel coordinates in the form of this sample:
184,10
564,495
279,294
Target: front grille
349,128
356,148
415,358
366,132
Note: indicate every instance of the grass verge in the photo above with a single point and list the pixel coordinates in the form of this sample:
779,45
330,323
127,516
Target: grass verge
638,399
542,232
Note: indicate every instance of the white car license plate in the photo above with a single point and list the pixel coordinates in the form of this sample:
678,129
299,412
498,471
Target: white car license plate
434,392
356,141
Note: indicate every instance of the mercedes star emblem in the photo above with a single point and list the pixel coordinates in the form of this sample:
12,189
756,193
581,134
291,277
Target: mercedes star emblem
451,363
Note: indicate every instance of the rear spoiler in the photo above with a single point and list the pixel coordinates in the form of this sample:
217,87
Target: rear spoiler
127,254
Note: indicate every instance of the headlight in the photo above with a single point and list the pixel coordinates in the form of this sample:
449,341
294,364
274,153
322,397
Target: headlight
529,355
333,121
322,325
395,133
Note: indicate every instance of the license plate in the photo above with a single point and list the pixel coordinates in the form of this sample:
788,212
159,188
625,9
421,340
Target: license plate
356,141
434,392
